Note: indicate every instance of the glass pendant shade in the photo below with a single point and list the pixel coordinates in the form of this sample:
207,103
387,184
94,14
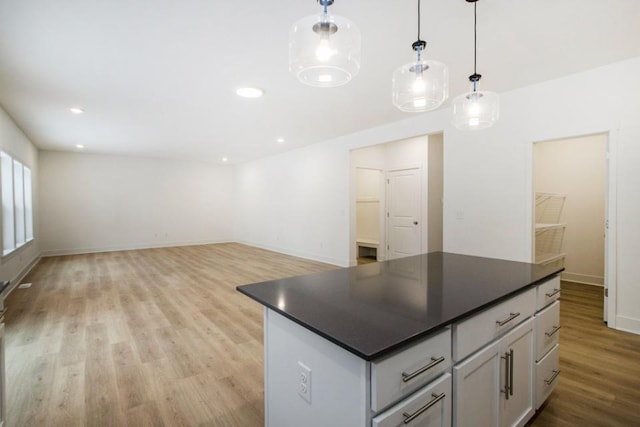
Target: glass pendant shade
476,110
324,50
420,86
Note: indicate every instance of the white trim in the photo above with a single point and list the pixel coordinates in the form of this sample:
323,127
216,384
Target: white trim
21,275
300,254
611,234
80,251
627,324
585,279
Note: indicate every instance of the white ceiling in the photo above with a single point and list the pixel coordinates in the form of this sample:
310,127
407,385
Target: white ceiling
158,77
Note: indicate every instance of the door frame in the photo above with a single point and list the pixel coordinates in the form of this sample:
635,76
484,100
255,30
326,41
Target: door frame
610,240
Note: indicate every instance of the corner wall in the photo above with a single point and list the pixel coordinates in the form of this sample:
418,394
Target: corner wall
93,203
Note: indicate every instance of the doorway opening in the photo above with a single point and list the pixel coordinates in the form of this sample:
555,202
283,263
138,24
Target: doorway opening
570,178
397,192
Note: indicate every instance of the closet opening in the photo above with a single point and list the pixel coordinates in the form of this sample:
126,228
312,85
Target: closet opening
571,197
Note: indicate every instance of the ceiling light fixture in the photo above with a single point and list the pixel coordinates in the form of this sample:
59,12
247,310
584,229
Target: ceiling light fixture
476,109
420,85
224,159
76,110
324,50
280,140
249,92
79,146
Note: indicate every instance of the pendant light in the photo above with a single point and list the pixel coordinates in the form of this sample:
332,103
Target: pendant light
476,109
420,85
324,49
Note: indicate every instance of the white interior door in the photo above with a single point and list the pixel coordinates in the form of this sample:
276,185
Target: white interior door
404,201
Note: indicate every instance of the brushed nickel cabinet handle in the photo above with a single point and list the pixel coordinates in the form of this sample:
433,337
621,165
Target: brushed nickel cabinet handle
507,370
434,361
410,417
556,372
552,293
553,331
508,319
511,363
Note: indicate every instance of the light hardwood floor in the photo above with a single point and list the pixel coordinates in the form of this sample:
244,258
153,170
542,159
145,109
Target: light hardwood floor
161,337
151,337
600,378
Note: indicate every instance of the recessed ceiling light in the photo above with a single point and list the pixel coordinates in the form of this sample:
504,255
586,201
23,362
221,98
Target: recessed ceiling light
280,140
76,110
79,146
224,159
250,92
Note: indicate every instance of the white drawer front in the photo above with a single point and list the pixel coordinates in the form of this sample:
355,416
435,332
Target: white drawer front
548,292
429,407
398,375
547,329
547,375
480,329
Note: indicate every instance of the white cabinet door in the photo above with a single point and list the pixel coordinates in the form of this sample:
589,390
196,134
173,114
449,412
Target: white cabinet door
516,350
477,388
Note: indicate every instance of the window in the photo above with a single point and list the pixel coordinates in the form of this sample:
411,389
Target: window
17,203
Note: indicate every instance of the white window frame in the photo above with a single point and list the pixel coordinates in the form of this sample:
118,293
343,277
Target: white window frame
15,201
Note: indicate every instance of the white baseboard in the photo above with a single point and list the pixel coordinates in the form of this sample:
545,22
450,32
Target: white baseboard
582,278
79,251
628,324
299,254
21,275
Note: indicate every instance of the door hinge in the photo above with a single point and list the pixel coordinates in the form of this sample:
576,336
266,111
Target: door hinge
387,214
387,247
606,292
387,180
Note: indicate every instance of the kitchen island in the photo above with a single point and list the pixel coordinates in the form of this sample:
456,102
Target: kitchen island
387,342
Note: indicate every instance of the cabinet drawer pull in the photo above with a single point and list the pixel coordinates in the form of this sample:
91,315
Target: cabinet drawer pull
553,331
552,293
508,319
556,372
410,417
434,361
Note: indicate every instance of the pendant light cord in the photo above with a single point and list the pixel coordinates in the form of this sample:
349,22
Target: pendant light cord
475,37
418,20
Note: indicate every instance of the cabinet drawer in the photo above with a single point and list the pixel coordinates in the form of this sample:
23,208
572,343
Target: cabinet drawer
547,375
429,407
547,329
480,329
396,376
548,292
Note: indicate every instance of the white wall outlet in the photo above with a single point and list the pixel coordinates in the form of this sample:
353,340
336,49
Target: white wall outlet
304,381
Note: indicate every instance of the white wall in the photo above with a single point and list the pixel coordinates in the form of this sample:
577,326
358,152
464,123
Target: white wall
577,167
94,203
14,142
298,201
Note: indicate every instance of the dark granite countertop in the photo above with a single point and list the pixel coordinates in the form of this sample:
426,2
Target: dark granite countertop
374,309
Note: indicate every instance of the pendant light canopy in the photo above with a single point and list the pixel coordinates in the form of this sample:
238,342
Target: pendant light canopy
324,49
476,109
420,85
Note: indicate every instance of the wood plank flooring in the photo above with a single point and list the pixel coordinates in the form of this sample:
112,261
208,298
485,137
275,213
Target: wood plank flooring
600,380
160,337
152,337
